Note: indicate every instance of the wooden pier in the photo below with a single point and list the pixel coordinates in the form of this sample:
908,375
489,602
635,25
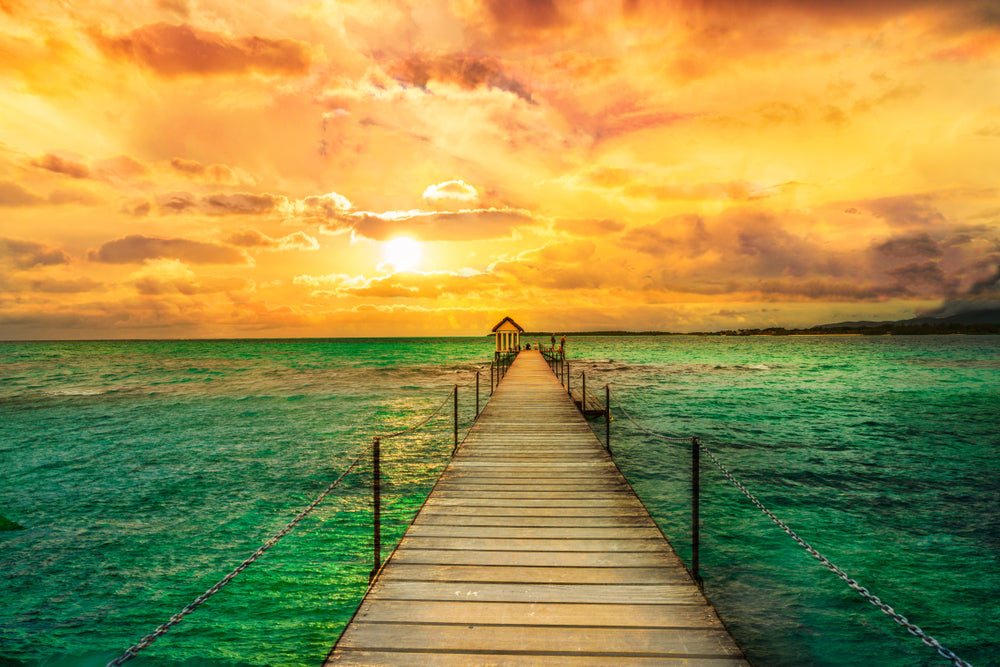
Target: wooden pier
532,549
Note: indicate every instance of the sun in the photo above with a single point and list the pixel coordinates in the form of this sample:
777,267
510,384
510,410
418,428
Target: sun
403,253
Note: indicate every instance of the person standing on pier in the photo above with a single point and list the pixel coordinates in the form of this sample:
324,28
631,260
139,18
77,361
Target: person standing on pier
562,346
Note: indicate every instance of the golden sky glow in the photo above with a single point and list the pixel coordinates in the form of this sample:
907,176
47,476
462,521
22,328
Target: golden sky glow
185,168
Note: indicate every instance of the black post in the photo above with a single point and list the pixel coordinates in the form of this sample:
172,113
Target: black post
455,448
583,396
567,379
377,504
607,417
491,378
477,394
695,509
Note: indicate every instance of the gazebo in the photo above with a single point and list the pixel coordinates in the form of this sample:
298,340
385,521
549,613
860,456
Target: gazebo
508,335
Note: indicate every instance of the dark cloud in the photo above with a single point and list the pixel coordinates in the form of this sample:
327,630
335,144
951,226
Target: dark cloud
239,204
29,254
192,167
176,202
135,249
218,173
15,194
467,71
954,15
678,234
916,245
72,286
531,15
59,165
913,275
906,211
177,50
137,208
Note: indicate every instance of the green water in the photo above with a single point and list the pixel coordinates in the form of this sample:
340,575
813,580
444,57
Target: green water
142,472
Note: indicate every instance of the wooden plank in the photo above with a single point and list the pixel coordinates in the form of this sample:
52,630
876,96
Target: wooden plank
532,532
608,521
540,558
675,642
485,659
518,574
532,549
541,592
540,613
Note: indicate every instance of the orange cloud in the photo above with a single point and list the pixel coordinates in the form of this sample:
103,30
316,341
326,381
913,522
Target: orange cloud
30,254
253,239
216,173
136,249
466,71
239,203
171,50
463,225
59,165
15,194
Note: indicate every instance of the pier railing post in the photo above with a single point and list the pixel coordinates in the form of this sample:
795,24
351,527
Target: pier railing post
607,417
477,395
377,509
695,509
491,378
455,448
583,396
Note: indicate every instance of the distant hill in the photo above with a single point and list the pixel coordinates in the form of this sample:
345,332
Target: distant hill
988,317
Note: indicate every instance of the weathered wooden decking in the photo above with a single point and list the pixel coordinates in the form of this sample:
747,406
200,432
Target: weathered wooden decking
532,549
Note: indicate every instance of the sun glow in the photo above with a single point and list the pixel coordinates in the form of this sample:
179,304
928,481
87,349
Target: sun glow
403,253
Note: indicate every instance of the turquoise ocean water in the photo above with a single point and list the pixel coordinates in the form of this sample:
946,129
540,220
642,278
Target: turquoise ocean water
143,471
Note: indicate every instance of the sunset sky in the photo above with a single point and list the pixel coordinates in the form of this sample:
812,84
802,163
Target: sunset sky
212,168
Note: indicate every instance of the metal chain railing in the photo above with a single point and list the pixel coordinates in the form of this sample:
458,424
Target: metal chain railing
424,421
201,599
885,608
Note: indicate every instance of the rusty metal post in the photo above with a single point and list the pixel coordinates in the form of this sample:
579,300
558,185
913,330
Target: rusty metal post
695,509
455,448
607,417
377,509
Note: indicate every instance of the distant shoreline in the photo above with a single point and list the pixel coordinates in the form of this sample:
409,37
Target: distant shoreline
875,330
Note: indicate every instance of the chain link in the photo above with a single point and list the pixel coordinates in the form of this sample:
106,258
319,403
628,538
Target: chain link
201,599
424,422
645,430
886,609
851,583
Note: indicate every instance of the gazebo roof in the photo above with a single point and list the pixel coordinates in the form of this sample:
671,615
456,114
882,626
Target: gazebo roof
505,320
